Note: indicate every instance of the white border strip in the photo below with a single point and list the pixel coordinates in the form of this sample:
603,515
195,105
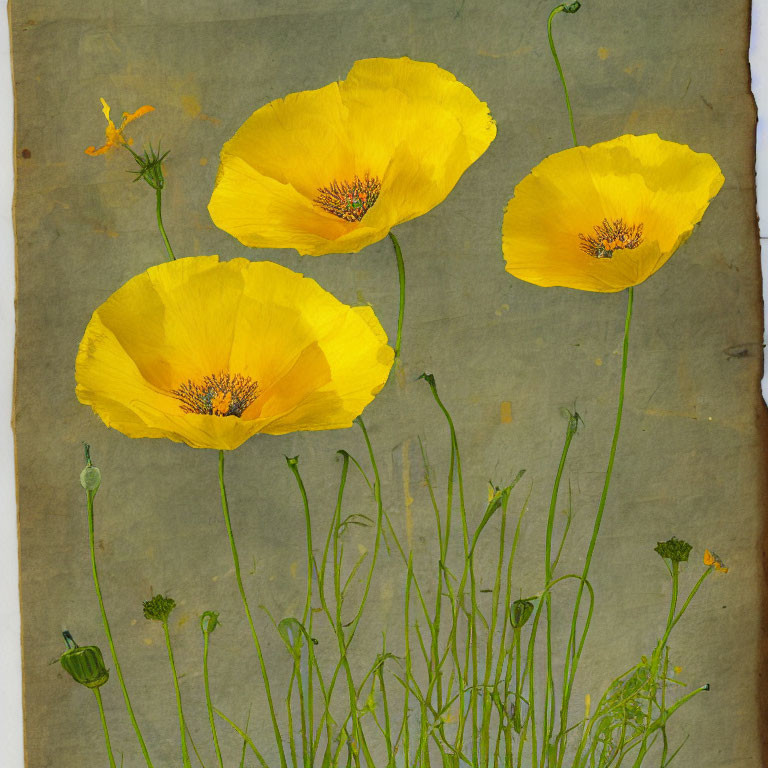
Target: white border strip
11,731
758,59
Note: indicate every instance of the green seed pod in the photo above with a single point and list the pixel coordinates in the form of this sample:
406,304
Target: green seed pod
90,479
521,612
86,666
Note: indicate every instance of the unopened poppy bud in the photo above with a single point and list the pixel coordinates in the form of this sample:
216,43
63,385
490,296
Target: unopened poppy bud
90,477
158,608
571,7
521,612
209,621
85,664
429,378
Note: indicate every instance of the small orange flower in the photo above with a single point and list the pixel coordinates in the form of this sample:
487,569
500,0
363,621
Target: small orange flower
711,559
115,135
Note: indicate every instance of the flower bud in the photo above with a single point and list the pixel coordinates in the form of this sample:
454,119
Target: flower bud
209,621
158,608
674,549
85,664
90,477
571,7
521,612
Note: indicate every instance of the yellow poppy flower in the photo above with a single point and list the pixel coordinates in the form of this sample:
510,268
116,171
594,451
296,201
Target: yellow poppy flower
605,217
115,135
712,560
211,353
333,170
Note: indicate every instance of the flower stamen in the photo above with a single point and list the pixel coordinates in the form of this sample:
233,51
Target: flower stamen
611,236
220,394
349,200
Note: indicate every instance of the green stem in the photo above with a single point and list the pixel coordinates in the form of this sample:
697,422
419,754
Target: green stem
184,750
208,703
485,727
549,688
254,635
245,737
108,632
158,208
552,15
571,665
401,281
408,673
97,693
306,620
688,600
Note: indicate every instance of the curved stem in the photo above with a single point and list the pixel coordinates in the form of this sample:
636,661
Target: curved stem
182,724
401,306
306,620
108,632
549,688
158,208
552,15
97,693
208,704
254,635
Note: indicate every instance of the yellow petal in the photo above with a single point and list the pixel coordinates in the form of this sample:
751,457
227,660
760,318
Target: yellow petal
129,117
114,134
409,126
203,327
630,182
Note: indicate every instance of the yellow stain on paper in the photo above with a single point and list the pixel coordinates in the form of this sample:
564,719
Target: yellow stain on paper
192,107
603,53
505,412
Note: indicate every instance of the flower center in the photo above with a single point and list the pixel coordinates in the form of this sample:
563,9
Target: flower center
220,394
349,200
611,236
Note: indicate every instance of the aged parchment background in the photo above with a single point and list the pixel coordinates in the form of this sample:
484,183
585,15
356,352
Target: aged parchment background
690,448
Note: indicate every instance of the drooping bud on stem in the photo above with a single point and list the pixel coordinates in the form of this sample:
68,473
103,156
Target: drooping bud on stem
209,621
521,612
85,664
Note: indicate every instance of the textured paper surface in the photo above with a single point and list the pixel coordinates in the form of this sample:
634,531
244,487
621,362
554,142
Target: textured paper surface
507,355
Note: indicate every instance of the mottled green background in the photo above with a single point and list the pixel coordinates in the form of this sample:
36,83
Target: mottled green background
508,356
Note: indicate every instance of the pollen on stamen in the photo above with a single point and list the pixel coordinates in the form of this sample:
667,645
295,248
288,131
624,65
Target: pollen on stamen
220,394
611,236
349,200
